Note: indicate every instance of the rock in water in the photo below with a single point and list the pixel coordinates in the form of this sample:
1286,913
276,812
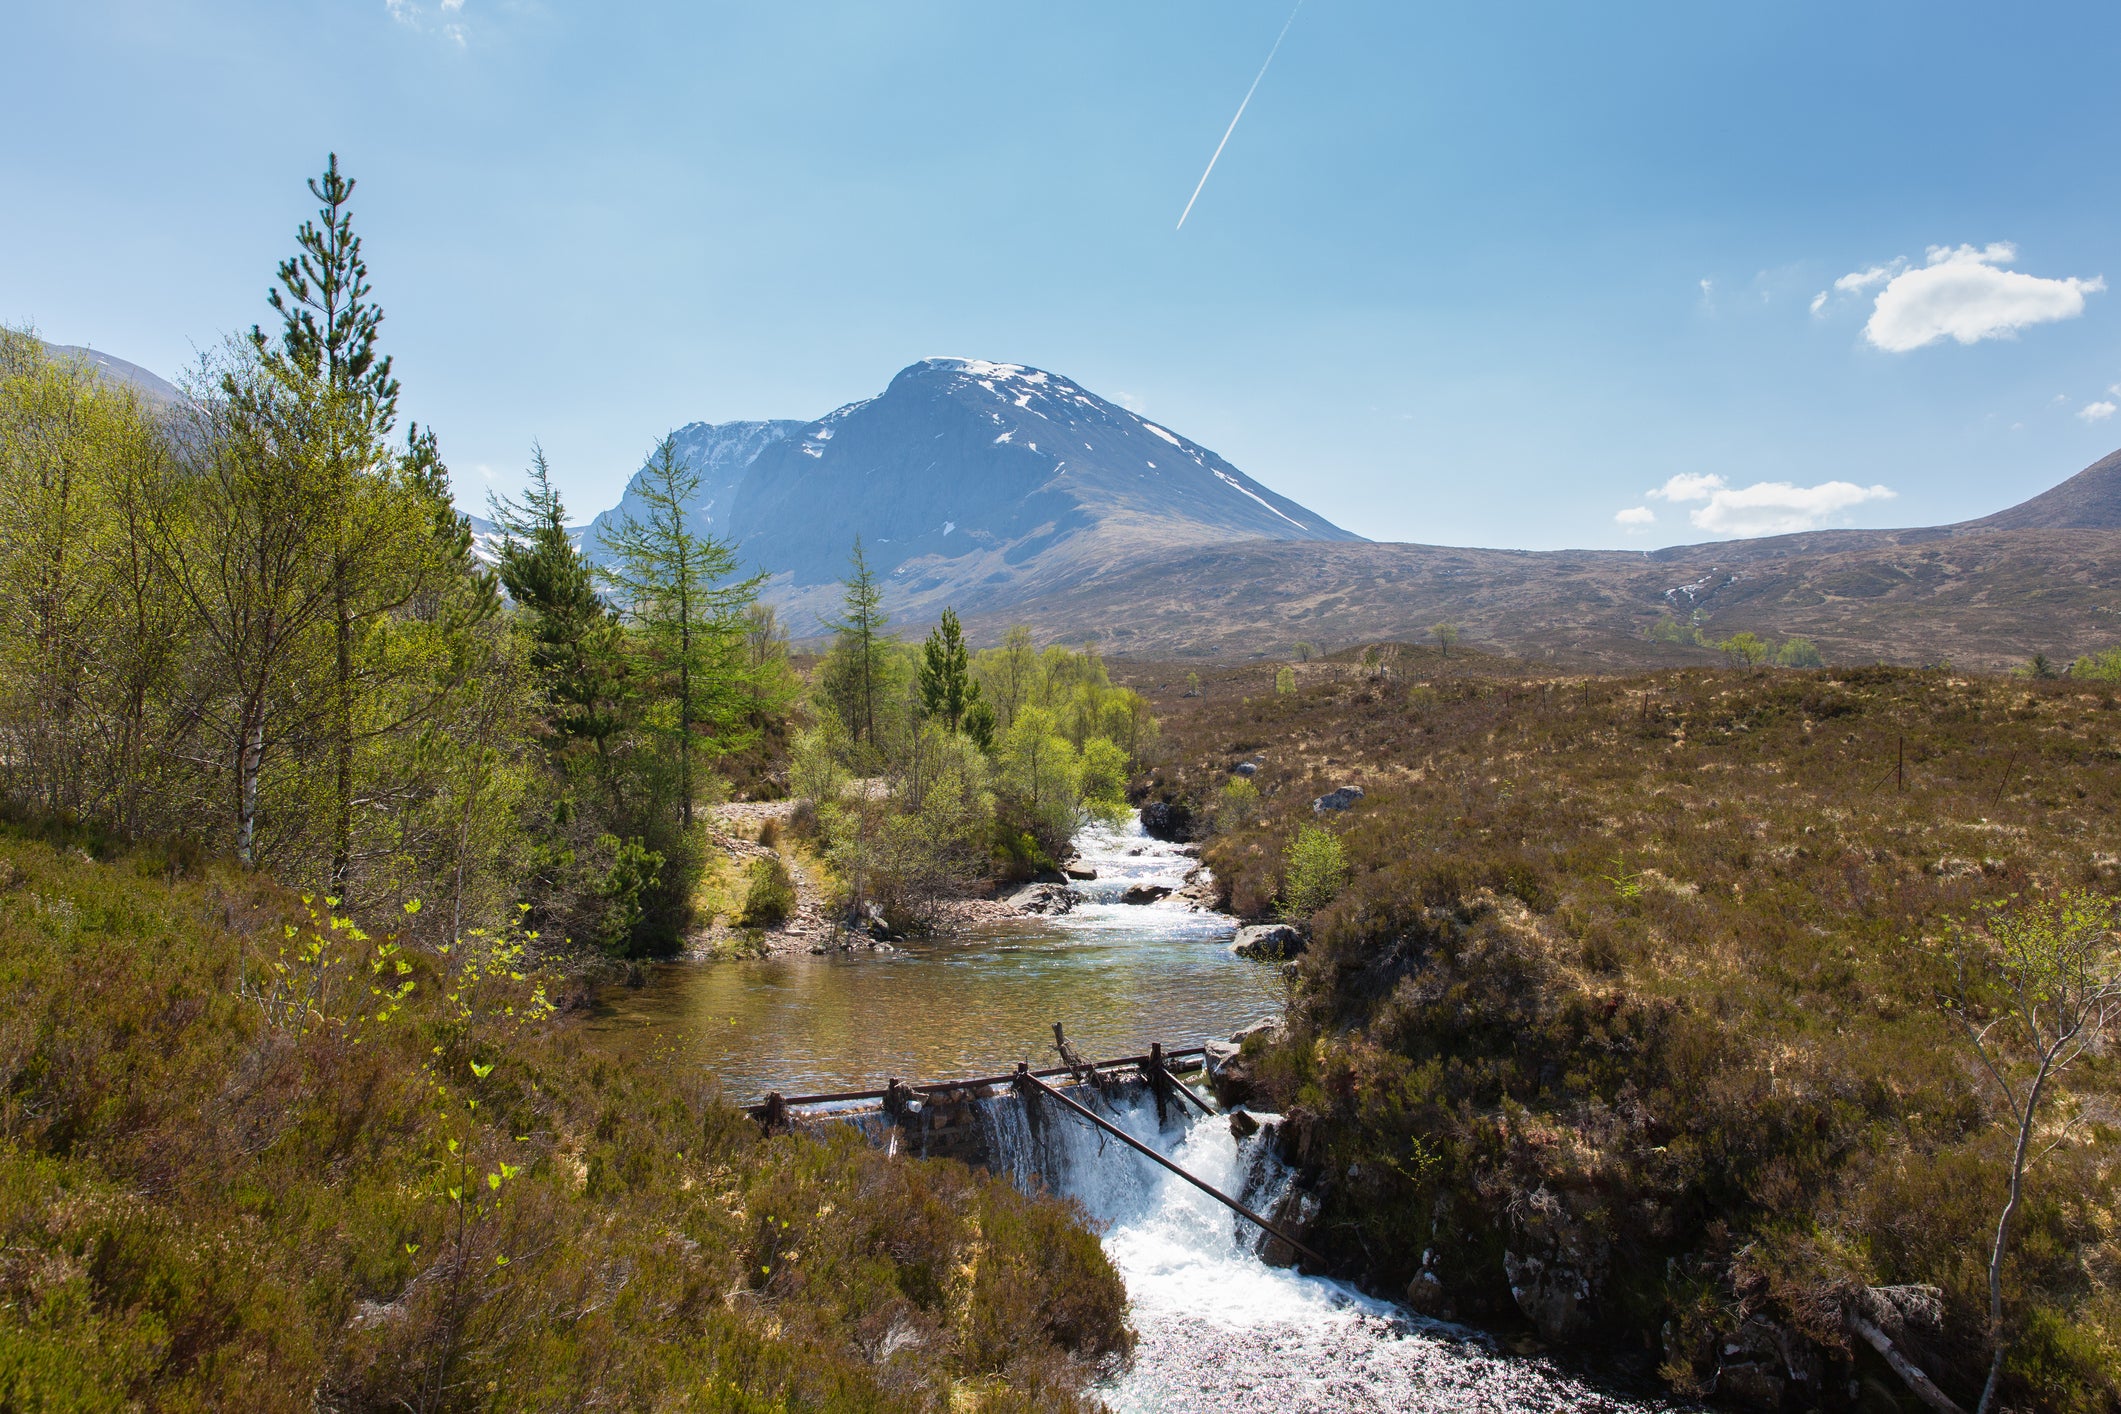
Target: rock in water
1146,893
1044,900
1269,942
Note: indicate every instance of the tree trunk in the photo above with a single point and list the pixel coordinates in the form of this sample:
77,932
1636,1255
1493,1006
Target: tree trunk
2003,1234
342,747
250,755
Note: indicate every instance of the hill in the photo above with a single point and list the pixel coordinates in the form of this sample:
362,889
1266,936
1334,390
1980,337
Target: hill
154,387
1979,598
1621,1013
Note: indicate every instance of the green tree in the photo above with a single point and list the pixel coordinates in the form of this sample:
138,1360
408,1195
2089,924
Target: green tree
947,688
377,544
1102,778
1007,673
772,682
2036,984
1799,653
855,671
1285,680
2104,666
1040,780
1446,635
1314,871
676,587
575,637
1746,647
241,546
1303,651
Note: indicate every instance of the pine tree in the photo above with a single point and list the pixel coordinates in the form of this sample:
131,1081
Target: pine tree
947,689
675,585
376,548
574,635
854,676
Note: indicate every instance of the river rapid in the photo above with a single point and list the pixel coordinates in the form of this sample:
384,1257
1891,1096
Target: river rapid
1218,1329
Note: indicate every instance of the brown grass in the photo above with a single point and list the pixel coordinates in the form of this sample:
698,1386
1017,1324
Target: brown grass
1656,946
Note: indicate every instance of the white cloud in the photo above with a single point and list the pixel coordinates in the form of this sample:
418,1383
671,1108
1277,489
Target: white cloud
1963,293
1819,302
1764,508
1636,517
1133,403
2099,411
1687,486
1861,280
1780,508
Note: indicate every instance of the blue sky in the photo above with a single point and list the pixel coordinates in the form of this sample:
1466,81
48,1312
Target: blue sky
1479,274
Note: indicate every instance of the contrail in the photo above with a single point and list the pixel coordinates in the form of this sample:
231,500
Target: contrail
1240,113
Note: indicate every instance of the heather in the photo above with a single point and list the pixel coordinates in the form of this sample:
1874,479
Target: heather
1642,979
253,1156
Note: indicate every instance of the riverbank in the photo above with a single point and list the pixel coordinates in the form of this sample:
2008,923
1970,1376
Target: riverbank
739,829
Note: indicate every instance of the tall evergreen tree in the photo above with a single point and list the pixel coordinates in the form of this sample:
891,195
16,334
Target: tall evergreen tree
676,587
574,634
854,677
326,358
947,688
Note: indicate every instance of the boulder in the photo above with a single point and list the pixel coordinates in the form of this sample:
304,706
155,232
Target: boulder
1763,1365
1242,1125
1269,942
1044,900
1078,871
1296,1214
1146,893
1339,798
1245,768
1556,1264
1229,1077
1167,820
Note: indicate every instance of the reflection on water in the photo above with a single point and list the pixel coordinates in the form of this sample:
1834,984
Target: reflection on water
1118,976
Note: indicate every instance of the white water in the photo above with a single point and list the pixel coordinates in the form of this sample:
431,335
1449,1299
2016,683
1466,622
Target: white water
1218,1329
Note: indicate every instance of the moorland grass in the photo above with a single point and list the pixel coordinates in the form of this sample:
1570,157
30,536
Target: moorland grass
1643,971
244,1165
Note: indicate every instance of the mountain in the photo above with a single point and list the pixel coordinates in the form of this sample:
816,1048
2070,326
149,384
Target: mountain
1013,494
117,370
719,453
2090,500
972,484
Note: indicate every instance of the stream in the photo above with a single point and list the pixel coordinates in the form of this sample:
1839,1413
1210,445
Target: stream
1218,1329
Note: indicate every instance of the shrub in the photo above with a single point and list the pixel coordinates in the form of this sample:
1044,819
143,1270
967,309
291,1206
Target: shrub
769,893
1799,653
2104,666
1314,870
1236,805
1285,680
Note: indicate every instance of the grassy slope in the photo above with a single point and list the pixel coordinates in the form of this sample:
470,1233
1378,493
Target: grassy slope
1983,599
203,1210
1652,946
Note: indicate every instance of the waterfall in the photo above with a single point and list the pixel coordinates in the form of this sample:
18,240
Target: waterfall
1218,1329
